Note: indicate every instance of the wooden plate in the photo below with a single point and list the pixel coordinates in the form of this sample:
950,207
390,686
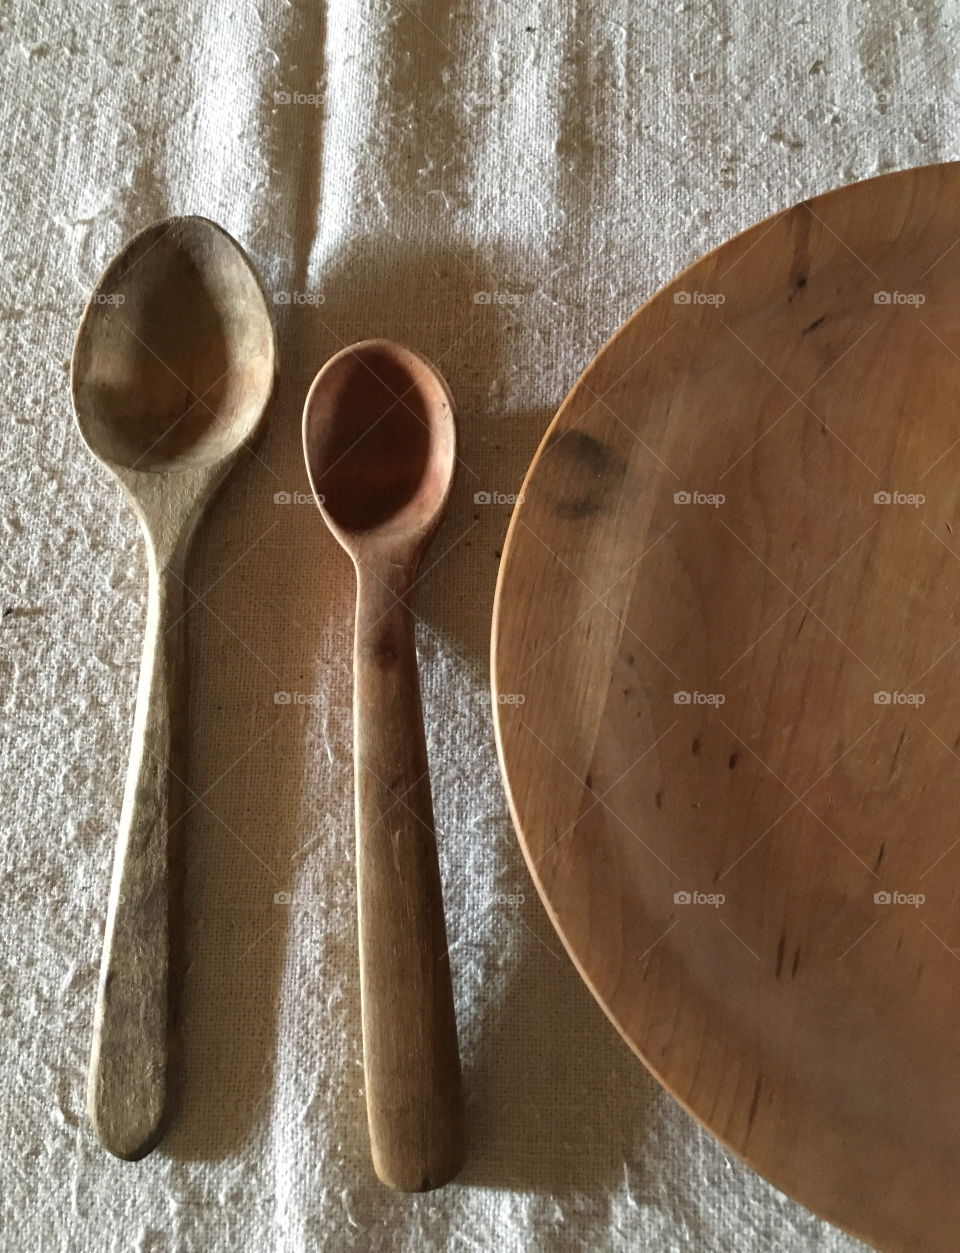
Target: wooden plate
726,652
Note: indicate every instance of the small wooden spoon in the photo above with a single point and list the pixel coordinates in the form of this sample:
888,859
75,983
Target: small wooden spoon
380,447
172,370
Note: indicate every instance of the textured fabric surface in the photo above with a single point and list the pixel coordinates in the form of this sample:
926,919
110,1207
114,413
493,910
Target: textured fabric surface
384,163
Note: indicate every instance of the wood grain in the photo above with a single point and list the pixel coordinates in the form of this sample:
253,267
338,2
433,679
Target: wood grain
134,1037
726,649
380,448
411,1056
172,371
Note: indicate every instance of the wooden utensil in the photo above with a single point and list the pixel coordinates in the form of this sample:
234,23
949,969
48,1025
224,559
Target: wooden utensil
172,370
729,603
380,447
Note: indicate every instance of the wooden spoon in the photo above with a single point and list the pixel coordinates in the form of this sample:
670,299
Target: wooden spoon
379,442
172,370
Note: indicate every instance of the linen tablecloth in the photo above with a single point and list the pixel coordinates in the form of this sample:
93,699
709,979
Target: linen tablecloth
499,185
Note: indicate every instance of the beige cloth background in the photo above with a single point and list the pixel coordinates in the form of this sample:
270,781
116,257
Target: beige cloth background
384,163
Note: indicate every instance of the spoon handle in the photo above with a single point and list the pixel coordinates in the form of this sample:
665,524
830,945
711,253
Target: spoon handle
411,1059
133,1035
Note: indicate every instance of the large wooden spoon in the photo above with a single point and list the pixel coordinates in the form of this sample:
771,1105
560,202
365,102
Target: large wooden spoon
380,443
172,370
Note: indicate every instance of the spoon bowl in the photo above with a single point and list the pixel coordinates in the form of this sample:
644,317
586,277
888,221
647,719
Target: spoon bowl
172,370
169,368
380,448
380,444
